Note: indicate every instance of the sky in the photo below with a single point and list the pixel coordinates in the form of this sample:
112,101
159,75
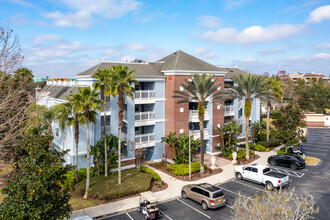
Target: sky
65,37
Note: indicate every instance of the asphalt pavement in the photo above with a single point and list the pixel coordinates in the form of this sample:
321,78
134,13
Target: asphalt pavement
313,180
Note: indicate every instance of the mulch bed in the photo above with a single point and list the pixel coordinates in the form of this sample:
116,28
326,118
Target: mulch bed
244,161
194,176
155,188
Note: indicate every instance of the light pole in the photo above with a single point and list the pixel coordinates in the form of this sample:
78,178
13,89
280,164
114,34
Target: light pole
189,154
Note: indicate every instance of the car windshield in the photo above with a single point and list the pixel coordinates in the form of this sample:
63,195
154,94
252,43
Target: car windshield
217,194
300,159
266,170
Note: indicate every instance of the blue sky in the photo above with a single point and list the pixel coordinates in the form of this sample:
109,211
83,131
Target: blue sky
62,38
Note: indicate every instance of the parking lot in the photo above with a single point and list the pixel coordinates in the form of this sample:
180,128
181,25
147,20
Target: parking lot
311,180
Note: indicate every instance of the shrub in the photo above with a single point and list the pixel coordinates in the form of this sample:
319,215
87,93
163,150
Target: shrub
205,167
281,151
155,176
267,149
183,169
241,154
270,143
69,181
257,147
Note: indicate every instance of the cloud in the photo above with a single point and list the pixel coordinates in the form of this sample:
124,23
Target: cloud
82,11
294,59
23,3
321,56
254,34
135,46
110,52
248,60
204,52
275,50
323,46
319,14
208,21
53,47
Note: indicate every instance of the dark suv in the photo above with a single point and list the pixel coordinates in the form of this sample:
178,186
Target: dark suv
209,196
288,160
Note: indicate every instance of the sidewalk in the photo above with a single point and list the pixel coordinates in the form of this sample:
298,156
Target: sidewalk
173,190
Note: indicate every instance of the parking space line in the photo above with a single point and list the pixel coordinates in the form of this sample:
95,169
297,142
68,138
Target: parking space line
234,192
165,215
194,208
229,206
317,149
296,174
129,216
250,186
315,153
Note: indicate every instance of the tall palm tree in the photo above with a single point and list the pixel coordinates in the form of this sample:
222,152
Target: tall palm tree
106,81
277,94
248,87
201,88
125,83
87,101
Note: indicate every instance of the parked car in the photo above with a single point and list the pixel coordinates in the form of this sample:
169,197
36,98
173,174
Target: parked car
288,160
209,196
85,217
261,174
296,150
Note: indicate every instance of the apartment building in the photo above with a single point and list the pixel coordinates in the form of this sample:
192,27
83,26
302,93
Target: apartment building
153,112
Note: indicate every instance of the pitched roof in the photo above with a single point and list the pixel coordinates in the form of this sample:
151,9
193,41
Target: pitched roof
231,72
141,69
180,60
58,92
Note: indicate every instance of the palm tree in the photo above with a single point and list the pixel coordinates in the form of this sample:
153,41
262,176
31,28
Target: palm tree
173,141
88,102
106,81
201,88
248,87
277,94
125,83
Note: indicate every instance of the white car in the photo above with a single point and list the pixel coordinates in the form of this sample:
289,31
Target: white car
261,174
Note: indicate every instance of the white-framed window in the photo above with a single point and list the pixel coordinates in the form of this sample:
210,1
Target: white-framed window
181,131
181,109
219,88
181,88
218,106
218,144
218,125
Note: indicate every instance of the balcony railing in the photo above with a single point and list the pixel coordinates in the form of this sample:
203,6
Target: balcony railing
240,103
144,138
144,94
193,115
124,137
144,116
229,110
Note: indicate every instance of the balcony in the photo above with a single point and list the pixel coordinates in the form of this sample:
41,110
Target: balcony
144,96
196,133
229,110
144,118
240,103
144,140
107,108
108,130
193,115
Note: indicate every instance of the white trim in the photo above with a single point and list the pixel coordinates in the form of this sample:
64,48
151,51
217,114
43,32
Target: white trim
133,158
158,142
212,136
160,99
157,160
213,153
189,72
87,77
159,120
147,79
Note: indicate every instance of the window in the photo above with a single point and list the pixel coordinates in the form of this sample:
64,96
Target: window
181,109
181,88
217,194
255,170
248,168
218,106
240,113
218,125
205,193
57,132
219,88
181,131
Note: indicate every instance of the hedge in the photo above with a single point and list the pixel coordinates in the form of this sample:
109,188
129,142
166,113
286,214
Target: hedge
155,176
241,154
183,169
270,143
281,151
69,177
258,147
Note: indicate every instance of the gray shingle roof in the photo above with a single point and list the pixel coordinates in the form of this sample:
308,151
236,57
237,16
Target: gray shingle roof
58,92
231,72
180,60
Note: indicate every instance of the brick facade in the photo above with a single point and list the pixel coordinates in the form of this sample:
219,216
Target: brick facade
218,116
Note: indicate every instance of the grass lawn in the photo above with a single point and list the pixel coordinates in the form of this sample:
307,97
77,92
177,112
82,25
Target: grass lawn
311,160
107,188
78,203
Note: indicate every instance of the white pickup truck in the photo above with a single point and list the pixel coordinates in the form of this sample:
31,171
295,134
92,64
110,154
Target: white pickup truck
261,174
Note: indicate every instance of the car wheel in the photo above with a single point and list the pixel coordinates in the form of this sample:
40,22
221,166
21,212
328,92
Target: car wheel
239,176
184,194
273,163
269,186
293,166
204,205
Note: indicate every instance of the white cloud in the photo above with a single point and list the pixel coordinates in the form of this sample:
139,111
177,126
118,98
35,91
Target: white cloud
294,59
271,51
323,46
321,56
254,34
110,52
135,46
248,60
233,4
83,11
319,14
204,52
209,21
53,47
